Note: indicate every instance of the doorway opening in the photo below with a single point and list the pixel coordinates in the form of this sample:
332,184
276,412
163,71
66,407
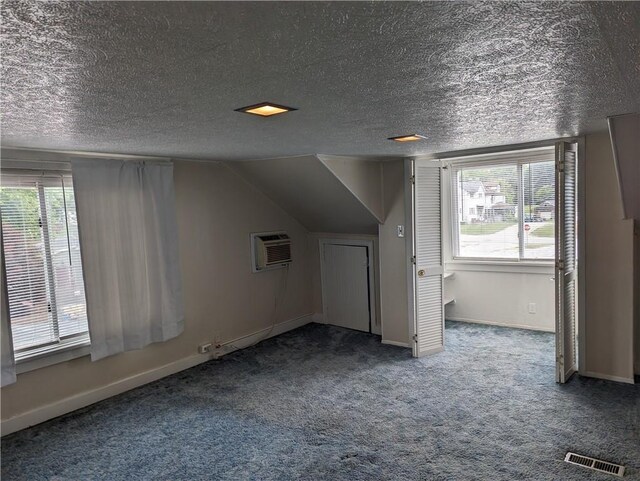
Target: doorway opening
495,243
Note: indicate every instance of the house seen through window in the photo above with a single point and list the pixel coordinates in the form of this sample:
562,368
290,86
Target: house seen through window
505,210
45,287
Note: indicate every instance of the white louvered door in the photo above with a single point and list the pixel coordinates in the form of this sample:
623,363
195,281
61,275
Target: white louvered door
565,269
428,269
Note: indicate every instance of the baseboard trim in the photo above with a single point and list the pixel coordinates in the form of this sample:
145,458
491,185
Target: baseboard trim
607,377
72,403
500,324
318,318
249,340
69,404
395,343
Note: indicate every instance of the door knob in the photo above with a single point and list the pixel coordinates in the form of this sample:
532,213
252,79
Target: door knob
421,273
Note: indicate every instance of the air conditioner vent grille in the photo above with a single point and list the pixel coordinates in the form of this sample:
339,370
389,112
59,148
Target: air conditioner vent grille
271,237
595,464
270,250
278,253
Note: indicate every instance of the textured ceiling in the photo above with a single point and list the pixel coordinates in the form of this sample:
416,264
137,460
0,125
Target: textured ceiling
164,78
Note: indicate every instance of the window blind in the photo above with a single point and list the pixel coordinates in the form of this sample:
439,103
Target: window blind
504,205
45,287
539,154
487,211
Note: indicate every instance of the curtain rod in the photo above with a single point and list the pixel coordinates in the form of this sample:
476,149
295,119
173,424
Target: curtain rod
68,162
19,151
3,159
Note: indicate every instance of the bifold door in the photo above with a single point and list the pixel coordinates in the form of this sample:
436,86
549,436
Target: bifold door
428,268
566,273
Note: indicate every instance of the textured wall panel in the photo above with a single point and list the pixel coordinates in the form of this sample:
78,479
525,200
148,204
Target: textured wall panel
164,77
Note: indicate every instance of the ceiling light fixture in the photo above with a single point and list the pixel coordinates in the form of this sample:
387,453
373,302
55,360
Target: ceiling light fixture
265,109
407,138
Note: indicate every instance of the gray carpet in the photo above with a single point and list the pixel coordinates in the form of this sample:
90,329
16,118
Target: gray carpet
323,403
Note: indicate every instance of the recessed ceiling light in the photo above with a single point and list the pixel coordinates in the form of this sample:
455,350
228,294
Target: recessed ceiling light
407,138
265,109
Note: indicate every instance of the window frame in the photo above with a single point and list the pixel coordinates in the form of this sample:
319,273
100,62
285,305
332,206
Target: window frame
67,347
517,159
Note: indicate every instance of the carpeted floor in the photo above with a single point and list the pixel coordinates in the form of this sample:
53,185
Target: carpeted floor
323,403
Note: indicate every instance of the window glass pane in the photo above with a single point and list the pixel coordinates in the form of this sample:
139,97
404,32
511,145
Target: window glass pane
44,271
27,285
538,183
487,211
65,258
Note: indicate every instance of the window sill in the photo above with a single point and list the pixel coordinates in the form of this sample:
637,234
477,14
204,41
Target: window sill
63,354
487,265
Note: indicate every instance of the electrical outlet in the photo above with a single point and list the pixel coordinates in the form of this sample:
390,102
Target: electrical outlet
205,348
216,340
532,308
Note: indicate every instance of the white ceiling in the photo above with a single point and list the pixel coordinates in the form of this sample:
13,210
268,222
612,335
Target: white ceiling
164,78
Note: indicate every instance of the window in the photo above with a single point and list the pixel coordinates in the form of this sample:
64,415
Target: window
45,287
514,220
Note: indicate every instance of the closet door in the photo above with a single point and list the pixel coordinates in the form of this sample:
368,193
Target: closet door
428,269
566,273
345,286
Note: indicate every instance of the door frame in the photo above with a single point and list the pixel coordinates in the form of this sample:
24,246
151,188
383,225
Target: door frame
410,249
581,231
374,325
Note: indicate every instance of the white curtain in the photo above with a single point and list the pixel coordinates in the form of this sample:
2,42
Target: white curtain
129,245
6,348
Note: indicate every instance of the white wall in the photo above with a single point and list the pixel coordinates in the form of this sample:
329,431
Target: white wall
362,177
624,131
502,298
393,258
217,211
310,192
609,267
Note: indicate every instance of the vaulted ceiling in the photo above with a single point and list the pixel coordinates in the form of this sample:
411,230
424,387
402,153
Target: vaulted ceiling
164,78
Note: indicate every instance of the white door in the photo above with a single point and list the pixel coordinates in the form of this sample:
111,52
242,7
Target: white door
566,274
428,269
345,286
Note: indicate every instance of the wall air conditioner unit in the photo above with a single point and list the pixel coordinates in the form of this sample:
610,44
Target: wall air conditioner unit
270,250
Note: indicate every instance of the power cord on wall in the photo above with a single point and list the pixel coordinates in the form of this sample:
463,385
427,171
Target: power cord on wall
277,301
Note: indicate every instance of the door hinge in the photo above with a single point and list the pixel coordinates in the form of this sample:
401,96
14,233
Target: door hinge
415,338
560,265
413,260
412,179
560,166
